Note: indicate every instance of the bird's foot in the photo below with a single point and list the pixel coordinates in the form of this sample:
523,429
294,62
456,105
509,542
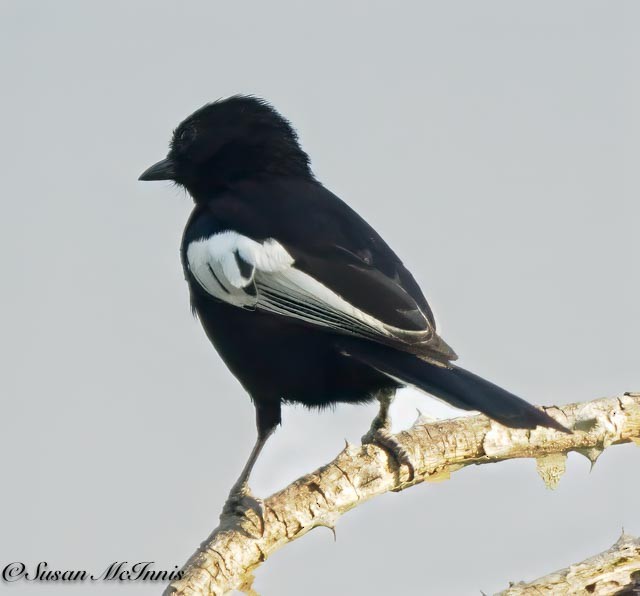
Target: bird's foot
381,436
241,505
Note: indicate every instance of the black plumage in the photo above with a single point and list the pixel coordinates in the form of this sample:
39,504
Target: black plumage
304,301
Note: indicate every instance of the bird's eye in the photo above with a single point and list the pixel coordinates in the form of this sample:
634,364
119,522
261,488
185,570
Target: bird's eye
185,136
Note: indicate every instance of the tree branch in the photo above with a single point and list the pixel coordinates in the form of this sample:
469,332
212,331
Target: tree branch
226,560
615,571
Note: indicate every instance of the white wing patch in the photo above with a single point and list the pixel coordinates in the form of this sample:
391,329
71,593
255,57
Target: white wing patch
214,263
266,279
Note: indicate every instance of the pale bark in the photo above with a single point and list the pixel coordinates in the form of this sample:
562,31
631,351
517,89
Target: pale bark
226,560
615,571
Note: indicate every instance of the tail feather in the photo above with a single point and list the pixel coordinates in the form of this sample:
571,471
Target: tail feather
455,385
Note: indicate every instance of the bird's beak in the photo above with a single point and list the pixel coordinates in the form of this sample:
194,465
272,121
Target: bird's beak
163,170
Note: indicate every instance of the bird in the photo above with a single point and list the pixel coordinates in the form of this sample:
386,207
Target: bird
303,300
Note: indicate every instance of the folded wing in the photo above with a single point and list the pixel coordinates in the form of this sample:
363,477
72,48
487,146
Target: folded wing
336,291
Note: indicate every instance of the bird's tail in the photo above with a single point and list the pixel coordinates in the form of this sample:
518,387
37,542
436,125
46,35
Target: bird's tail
457,386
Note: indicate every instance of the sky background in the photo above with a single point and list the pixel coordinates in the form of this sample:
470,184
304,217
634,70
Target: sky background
493,144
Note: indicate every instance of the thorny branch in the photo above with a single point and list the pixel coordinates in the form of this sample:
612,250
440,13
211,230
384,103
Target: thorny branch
226,560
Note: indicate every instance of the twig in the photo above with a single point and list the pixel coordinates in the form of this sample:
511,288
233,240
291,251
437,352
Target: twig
615,571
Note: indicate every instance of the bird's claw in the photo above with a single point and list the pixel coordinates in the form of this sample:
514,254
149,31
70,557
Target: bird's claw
382,437
242,504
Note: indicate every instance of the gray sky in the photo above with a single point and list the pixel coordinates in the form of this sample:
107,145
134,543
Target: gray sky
493,144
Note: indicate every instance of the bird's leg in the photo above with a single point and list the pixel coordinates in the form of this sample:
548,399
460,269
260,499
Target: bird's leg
240,490
240,500
380,433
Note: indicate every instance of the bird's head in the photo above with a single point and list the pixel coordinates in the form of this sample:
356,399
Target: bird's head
229,140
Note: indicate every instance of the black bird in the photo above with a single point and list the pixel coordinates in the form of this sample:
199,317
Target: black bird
304,301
